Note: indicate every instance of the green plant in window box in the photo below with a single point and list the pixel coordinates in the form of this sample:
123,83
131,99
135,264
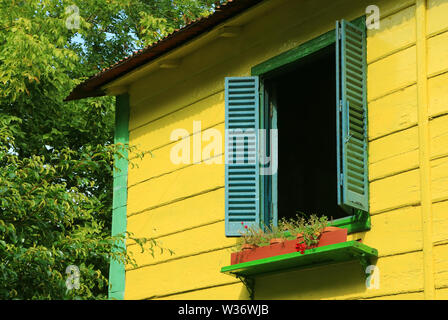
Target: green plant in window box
251,238
292,226
309,230
312,229
276,234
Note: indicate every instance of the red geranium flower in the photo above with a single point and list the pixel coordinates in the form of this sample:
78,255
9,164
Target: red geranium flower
300,247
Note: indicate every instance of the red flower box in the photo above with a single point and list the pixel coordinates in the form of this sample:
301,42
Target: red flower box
331,235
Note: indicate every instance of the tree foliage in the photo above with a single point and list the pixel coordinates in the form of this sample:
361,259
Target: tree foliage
56,158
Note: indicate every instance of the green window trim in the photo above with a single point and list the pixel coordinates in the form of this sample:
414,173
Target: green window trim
119,206
358,222
281,61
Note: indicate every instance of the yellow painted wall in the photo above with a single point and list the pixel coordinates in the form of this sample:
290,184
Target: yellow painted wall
182,205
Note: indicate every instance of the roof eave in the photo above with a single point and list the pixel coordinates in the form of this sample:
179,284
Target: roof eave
92,86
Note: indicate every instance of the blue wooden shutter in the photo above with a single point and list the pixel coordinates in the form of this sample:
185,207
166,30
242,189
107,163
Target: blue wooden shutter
242,163
353,185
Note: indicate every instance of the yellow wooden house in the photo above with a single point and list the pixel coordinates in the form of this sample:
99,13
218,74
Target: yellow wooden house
356,92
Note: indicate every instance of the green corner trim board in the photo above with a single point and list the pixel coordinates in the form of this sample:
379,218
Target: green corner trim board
335,253
117,270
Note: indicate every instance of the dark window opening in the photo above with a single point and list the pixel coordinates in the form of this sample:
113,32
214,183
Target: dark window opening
304,99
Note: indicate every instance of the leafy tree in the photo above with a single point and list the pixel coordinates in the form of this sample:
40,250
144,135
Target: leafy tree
56,158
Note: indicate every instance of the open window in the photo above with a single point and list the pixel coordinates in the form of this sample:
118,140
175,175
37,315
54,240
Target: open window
315,97
301,106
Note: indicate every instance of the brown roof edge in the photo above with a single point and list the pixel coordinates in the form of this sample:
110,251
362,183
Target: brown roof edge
91,87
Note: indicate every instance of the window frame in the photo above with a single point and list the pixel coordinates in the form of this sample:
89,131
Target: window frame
358,222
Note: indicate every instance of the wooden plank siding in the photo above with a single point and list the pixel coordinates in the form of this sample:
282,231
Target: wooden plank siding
437,33
401,273
182,206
